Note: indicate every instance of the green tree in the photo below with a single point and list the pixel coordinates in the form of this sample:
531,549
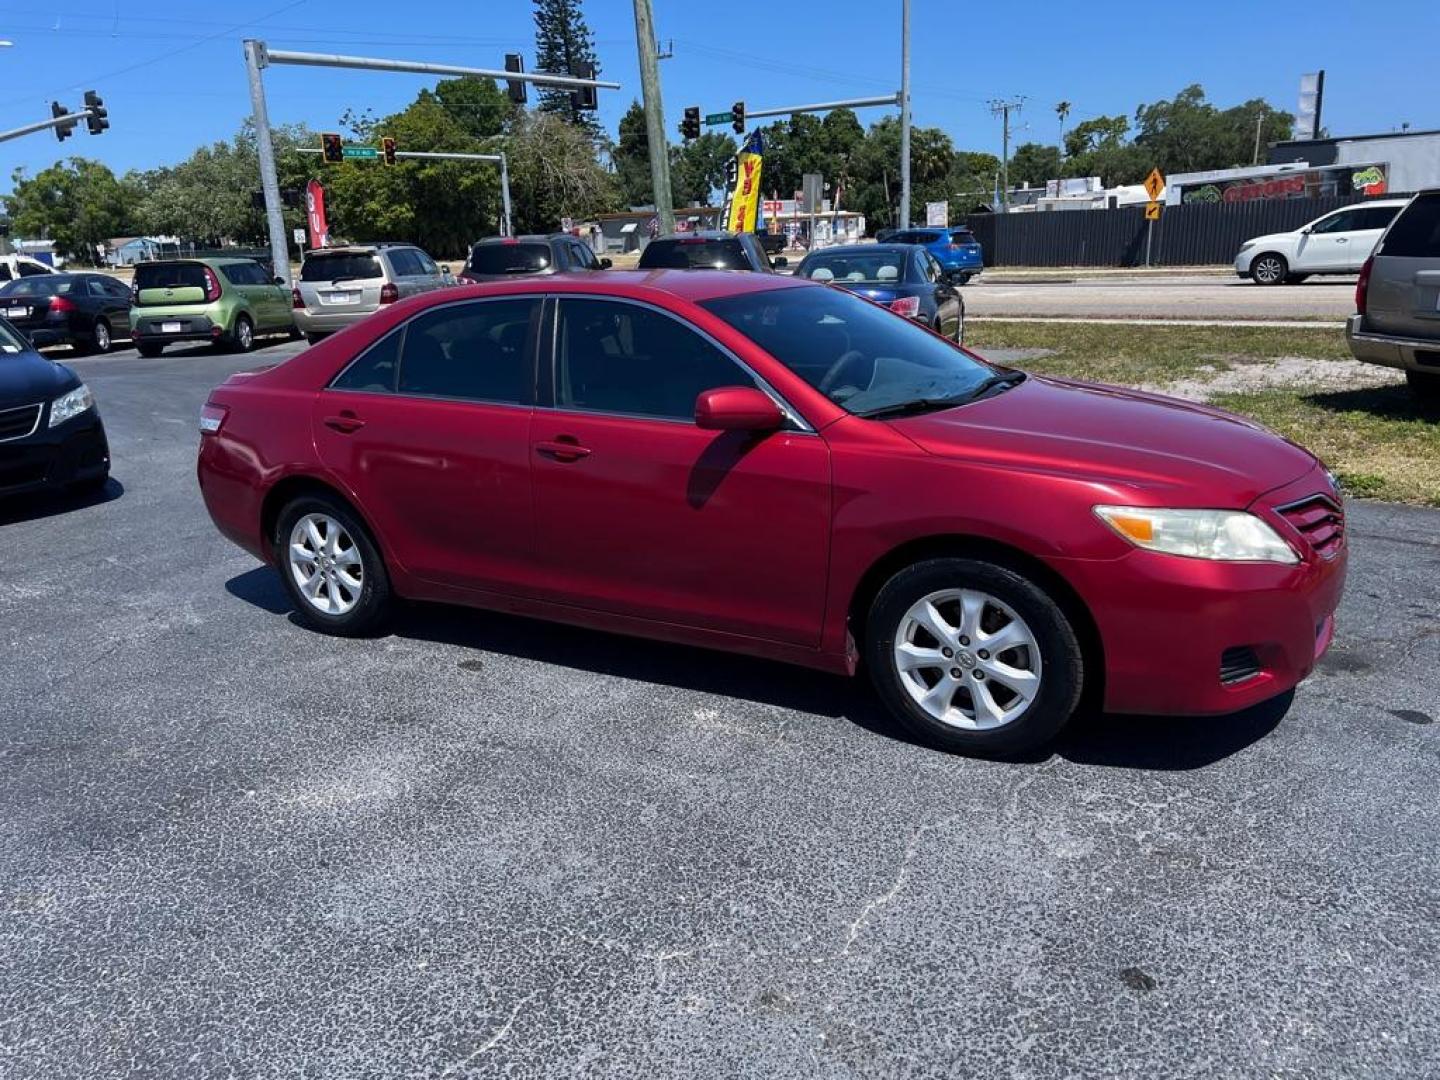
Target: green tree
478,105
554,173
698,168
874,170
631,158
1034,163
77,203
562,41
1098,147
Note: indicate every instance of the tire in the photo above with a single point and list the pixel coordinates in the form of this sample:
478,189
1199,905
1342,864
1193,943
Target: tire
315,339
242,334
960,324
1424,385
149,349
964,279
1268,268
1028,690
338,607
102,340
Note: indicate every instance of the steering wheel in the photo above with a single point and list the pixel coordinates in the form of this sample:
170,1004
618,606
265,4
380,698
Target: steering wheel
832,376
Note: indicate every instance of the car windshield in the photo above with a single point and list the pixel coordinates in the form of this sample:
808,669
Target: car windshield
341,266
865,359
694,254
44,285
856,267
509,258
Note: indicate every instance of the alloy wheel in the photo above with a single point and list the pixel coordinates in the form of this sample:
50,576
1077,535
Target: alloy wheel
326,564
968,659
1268,270
243,335
102,337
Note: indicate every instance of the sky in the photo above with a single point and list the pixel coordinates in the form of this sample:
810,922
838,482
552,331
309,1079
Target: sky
172,73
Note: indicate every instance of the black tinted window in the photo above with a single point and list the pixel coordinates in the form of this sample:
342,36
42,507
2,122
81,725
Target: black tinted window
169,276
915,236
31,270
1416,232
406,263
962,236
340,266
47,285
478,351
1377,217
858,354
5,274
241,274
694,254
375,368
622,358
509,258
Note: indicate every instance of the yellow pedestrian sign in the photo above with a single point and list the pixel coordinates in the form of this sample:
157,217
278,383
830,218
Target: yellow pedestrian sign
1154,185
1152,211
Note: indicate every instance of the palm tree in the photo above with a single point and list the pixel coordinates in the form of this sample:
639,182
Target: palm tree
1062,110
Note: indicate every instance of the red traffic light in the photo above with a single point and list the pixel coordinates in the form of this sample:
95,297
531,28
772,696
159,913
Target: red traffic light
332,148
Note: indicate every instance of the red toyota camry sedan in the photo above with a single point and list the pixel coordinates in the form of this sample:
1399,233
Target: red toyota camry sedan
780,468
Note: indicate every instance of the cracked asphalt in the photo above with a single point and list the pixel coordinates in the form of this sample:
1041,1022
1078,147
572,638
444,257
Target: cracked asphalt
482,846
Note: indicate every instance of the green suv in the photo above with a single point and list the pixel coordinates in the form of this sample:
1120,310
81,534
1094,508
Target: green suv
227,302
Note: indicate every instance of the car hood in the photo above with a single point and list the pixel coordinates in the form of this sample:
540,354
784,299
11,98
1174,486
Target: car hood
1270,239
1131,440
28,377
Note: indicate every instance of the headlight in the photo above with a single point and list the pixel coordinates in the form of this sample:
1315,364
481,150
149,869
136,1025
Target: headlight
68,406
1247,245
1224,535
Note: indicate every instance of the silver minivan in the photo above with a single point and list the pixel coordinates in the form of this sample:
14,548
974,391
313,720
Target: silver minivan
1397,323
340,286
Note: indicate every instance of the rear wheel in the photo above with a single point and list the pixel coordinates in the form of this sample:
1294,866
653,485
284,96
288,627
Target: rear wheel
149,349
99,338
1424,385
331,567
973,657
242,336
1269,269
315,339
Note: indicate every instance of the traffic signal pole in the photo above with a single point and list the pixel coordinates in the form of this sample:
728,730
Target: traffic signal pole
259,56
53,122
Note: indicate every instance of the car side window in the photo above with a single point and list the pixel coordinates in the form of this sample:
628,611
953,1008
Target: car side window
26,270
623,358
5,274
1342,222
1377,217
374,370
117,289
478,351
427,264
933,270
401,263
96,287
583,257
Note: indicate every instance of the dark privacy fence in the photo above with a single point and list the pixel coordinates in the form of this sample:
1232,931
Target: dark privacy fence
1184,236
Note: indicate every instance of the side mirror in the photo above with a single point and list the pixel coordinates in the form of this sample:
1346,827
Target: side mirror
737,408
277,281
779,261
605,264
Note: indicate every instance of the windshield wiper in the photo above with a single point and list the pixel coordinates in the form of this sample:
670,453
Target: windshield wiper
1005,379
928,404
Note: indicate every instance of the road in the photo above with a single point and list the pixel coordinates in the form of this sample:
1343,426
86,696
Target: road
483,846
1168,297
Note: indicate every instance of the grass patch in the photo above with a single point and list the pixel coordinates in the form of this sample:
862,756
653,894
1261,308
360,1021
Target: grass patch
1135,355
1381,442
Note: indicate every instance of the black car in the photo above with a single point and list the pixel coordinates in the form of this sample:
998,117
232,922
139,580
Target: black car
904,277
501,257
88,311
51,436
708,250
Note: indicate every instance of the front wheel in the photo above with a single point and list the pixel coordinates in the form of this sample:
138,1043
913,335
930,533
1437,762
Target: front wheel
973,657
331,567
1269,269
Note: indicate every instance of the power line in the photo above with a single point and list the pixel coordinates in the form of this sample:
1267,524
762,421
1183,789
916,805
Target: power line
1004,108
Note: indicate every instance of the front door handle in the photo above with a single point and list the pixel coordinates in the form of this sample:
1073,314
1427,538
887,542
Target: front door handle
564,448
346,423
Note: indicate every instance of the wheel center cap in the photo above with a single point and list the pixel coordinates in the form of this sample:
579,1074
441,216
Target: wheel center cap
965,659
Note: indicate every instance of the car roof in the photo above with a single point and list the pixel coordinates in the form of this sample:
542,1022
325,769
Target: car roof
852,249
700,234
694,286
528,238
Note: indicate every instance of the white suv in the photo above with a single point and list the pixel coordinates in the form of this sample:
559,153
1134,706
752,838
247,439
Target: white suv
1337,243
340,286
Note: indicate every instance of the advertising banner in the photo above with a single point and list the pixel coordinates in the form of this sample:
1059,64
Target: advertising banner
742,206
315,215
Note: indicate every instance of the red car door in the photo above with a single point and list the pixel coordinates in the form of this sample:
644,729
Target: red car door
430,428
640,512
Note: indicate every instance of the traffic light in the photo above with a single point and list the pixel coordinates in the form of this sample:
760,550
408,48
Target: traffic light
332,149
737,117
387,150
98,120
585,97
62,131
690,126
514,87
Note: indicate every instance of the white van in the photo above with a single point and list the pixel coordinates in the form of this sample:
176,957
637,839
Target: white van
18,266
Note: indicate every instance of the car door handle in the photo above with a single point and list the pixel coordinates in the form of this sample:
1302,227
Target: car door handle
1342,240
346,423
563,449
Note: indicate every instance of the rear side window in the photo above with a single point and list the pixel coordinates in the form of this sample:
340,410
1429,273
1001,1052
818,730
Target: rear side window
341,266
475,352
243,274
1377,217
962,236
405,262
509,258
169,276
915,237
374,370
693,255
5,274
1416,232
31,270
39,286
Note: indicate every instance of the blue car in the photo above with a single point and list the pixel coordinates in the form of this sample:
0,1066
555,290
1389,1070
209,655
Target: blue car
956,249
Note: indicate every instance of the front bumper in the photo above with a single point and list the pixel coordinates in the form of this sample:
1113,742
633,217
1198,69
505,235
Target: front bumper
1165,622
53,458
1410,354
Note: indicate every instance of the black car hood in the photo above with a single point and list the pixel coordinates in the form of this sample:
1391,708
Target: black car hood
28,377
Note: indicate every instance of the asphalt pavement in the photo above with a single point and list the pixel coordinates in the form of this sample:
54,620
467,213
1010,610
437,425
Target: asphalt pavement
1187,296
483,846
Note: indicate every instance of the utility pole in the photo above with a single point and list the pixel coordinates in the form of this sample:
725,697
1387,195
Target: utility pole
654,115
255,59
904,114
1003,109
1259,120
